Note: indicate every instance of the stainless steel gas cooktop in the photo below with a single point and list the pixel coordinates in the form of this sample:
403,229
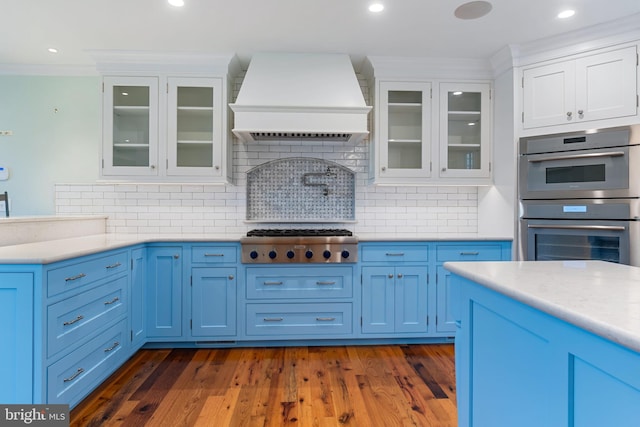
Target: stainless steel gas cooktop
299,246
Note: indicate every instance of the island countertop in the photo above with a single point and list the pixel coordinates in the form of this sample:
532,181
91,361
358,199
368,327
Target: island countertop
597,296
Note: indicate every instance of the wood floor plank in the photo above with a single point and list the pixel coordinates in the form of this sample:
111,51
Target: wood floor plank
339,386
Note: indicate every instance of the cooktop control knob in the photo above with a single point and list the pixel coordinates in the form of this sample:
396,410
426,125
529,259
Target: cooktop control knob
290,254
308,254
273,254
345,254
253,254
326,254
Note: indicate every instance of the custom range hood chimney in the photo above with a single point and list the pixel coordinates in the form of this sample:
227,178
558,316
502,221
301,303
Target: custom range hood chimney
300,96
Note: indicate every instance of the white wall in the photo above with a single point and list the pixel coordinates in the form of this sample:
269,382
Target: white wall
56,137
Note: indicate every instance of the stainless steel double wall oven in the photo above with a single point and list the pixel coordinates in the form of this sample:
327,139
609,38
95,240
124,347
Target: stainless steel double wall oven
580,196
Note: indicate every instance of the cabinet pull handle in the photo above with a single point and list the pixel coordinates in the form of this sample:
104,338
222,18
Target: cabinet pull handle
569,114
71,322
272,283
273,319
399,275
470,253
208,254
76,277
116,265
74,376
231,277
325,283
580,113
115,344
394,254
113,301
176,256
390,275
325,319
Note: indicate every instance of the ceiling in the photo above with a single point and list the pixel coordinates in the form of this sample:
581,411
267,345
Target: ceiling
425,28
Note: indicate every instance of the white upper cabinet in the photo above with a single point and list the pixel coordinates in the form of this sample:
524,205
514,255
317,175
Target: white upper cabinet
595,87
465,130
165,116
130,125
404,132
194,121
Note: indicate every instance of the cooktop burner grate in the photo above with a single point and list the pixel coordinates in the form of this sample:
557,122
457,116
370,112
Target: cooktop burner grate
277,232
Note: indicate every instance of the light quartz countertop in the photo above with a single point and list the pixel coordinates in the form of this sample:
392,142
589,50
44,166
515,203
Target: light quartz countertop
600,297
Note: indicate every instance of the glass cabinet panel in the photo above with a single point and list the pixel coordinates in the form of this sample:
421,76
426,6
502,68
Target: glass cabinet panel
130,120
194,140
404,142
464,129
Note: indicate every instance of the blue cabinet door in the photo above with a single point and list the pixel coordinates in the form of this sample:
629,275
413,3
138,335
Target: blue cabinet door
378,296
445,321
16,335
138,283
213,301
164,292
411,300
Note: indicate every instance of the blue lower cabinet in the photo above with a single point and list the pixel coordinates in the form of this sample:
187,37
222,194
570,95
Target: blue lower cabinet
16,336
164,292
213,301
320,320
395,299
138,289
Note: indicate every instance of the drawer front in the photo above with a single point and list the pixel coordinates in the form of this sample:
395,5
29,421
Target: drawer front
469,253
75,375
308,282
299,319
74,276
418,253
214,254
72,320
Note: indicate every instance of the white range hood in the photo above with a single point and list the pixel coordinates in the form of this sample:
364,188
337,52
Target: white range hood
301,96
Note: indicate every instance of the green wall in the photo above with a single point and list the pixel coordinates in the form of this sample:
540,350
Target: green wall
56,128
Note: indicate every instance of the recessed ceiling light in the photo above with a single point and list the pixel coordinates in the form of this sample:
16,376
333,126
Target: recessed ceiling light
473,10
176,3
52,50
376,7
566,14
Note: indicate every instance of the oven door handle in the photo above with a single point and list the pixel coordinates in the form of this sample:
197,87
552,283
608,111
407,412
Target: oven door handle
577,156
581,227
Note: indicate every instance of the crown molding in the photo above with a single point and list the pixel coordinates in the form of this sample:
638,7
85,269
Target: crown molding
48,70
421,68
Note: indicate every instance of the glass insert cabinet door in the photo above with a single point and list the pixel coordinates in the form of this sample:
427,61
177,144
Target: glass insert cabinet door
194,140
405,128
465,129
130,121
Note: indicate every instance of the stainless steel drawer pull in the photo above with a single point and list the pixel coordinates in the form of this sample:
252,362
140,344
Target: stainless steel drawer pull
74,376
394,254
272,283
116,265
113,301
76,277
113,347
325,283
580,227
273,319
325,319
76,320
470,253
219,255
577,156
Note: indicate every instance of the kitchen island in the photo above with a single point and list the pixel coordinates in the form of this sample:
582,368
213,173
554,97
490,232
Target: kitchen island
554,343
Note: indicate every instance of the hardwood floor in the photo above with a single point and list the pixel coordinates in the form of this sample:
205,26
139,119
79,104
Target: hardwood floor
408,385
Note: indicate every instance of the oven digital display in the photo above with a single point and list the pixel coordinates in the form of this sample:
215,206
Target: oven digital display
574,209
584,173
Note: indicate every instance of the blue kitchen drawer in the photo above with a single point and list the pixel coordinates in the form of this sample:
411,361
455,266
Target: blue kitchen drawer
214,254
477,252
72,320
277,320
76,275
395,253
71,378
303,282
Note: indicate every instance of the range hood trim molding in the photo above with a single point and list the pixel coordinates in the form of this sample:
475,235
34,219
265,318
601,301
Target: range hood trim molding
298,108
